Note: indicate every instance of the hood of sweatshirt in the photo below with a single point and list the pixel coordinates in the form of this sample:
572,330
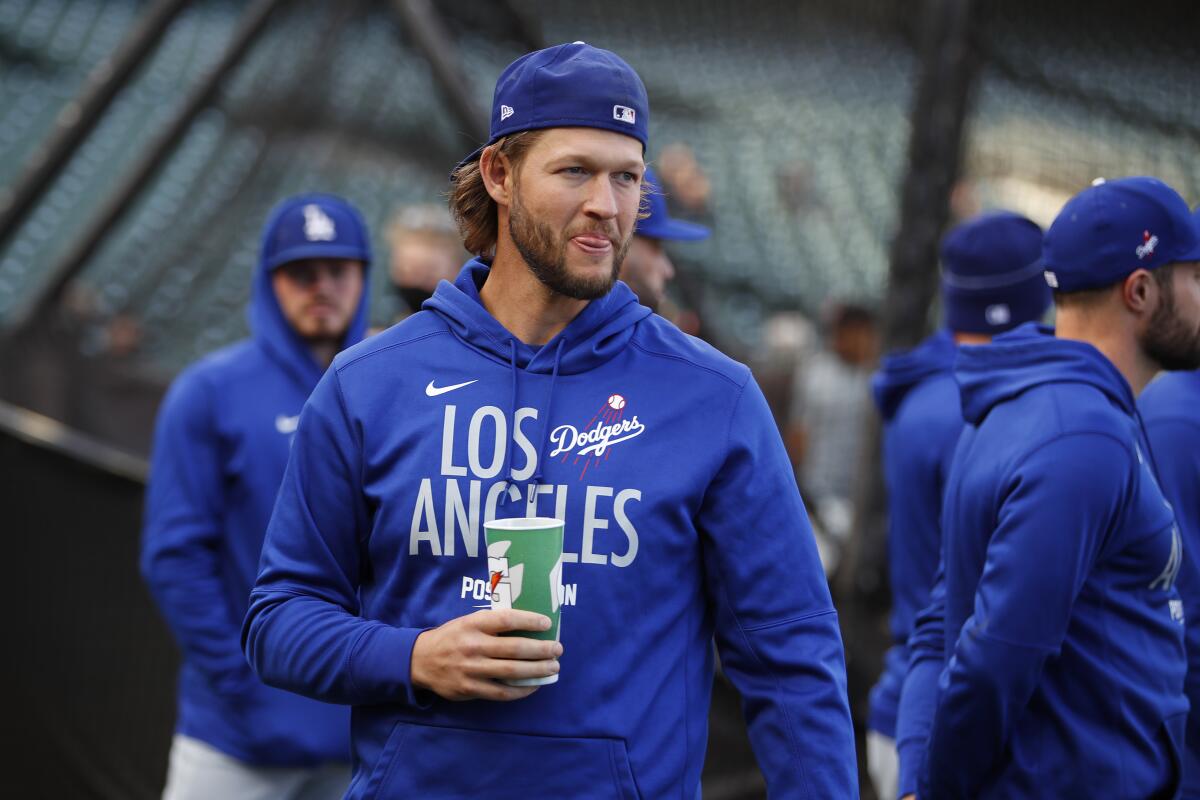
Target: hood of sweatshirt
1030,356
595,336
275,335
901,372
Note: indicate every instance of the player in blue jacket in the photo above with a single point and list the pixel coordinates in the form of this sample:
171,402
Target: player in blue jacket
220,449
991,282
1056,626
1170,409
536,384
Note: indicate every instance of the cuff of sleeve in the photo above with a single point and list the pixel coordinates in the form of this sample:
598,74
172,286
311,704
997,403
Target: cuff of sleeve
911,754
381,665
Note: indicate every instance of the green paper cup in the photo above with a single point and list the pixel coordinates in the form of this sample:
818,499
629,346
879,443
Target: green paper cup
524,572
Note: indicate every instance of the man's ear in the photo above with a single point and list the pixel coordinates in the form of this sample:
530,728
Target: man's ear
1140,293
498,175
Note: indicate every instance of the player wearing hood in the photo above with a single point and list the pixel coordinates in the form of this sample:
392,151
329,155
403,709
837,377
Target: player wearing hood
991,282
221,445
1169,409
535,384
1056,626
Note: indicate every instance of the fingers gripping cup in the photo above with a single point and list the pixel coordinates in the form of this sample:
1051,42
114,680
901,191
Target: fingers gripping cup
524,572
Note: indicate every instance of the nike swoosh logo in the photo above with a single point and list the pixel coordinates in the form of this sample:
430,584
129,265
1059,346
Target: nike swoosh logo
434,391
287,424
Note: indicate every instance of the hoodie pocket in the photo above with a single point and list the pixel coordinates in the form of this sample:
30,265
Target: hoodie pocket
436,763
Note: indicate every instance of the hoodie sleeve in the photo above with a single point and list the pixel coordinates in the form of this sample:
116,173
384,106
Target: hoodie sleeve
776,627
303,631
1055,511
1175,444
918,698
181,536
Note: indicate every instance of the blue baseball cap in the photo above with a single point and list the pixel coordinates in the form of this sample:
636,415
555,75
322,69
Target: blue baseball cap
1113,228
659,224
992,274
568,86
314,226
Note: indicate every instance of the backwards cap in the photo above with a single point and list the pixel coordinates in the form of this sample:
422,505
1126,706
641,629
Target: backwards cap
992,274
1113,228
568,86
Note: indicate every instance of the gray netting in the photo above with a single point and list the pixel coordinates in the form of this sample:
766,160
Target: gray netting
798,113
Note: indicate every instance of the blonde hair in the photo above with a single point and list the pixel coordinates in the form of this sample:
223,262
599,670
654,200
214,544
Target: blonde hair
474,210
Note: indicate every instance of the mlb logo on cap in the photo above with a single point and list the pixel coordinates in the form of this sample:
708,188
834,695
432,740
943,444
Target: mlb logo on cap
625,114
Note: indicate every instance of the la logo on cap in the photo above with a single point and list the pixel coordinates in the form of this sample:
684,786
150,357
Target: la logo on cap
625,114
318,227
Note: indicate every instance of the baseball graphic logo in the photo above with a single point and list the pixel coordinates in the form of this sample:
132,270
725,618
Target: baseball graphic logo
592,442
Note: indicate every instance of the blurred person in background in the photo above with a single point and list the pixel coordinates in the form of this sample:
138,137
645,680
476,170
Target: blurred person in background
425,249
647,269
1170,409
826,424
991,282
685,523
788,340
221,445
684,179
1051,661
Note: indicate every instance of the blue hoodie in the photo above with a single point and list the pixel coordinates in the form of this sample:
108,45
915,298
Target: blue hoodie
682,518
1063,632
918,400
1171,411
221,445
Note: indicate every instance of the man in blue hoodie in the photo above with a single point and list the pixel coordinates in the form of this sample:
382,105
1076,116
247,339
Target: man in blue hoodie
1055,624
991,282
536,384
1171,411
220,449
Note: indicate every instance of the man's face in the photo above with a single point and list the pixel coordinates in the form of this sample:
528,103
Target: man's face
647,270
1172,337
575,200
318,296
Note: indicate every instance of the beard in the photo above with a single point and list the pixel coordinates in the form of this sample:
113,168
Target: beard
546,255
1168,341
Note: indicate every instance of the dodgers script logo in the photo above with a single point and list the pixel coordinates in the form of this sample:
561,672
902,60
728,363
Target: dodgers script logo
608,426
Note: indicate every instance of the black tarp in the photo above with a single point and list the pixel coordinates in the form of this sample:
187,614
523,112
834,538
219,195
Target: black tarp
91,666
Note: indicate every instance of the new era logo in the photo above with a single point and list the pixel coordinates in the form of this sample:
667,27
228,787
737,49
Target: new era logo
625,114
505,112
1051,279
